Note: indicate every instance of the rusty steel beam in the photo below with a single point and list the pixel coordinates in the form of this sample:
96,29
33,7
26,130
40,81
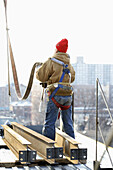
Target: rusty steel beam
70,147
44,146
18,145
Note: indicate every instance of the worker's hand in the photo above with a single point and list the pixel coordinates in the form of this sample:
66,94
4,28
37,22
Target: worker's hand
44,85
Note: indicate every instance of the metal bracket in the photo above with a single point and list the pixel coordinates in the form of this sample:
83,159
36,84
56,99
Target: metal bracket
54,153
1,132
27,156
78,154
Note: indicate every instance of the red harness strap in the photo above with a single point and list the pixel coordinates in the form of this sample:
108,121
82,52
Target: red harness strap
60,106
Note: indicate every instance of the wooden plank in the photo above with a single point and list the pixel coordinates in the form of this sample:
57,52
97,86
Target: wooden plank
38,142
7,164
68,143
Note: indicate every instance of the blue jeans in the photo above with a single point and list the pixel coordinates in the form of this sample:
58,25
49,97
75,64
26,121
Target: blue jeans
52,114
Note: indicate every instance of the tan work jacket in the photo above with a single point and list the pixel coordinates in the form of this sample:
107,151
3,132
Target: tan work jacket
51,72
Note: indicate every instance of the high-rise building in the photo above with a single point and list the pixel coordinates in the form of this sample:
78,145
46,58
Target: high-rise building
86,74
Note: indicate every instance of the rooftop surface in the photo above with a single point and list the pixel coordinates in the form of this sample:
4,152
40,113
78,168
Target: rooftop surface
85,142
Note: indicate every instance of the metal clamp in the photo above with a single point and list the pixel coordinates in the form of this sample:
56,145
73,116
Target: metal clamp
1,132
54,153
27,156
78,154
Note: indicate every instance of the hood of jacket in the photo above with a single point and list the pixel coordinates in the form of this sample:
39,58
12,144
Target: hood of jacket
64,57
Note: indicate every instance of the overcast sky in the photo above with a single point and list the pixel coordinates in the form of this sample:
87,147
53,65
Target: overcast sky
35,26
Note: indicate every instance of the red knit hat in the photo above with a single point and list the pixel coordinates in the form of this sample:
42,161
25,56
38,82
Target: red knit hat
62,46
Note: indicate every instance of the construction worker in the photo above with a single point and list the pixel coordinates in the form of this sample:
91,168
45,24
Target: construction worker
56,74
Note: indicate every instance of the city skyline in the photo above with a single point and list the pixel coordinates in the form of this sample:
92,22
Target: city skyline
86,74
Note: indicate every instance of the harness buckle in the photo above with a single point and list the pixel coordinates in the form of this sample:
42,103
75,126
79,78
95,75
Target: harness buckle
56,85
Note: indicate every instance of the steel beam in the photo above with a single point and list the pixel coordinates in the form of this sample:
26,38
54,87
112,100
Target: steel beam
70,148
18,145
40,143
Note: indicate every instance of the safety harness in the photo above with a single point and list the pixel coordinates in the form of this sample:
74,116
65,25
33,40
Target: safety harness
65,71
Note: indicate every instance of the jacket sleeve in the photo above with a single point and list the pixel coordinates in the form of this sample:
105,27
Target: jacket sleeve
44,72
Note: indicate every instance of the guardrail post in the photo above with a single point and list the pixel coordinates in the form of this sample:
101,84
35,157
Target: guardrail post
96,163
110,135
96,115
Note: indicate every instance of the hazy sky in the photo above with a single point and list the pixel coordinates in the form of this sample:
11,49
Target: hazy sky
35,26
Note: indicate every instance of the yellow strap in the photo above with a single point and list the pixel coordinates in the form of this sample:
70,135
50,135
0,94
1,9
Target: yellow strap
15,77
